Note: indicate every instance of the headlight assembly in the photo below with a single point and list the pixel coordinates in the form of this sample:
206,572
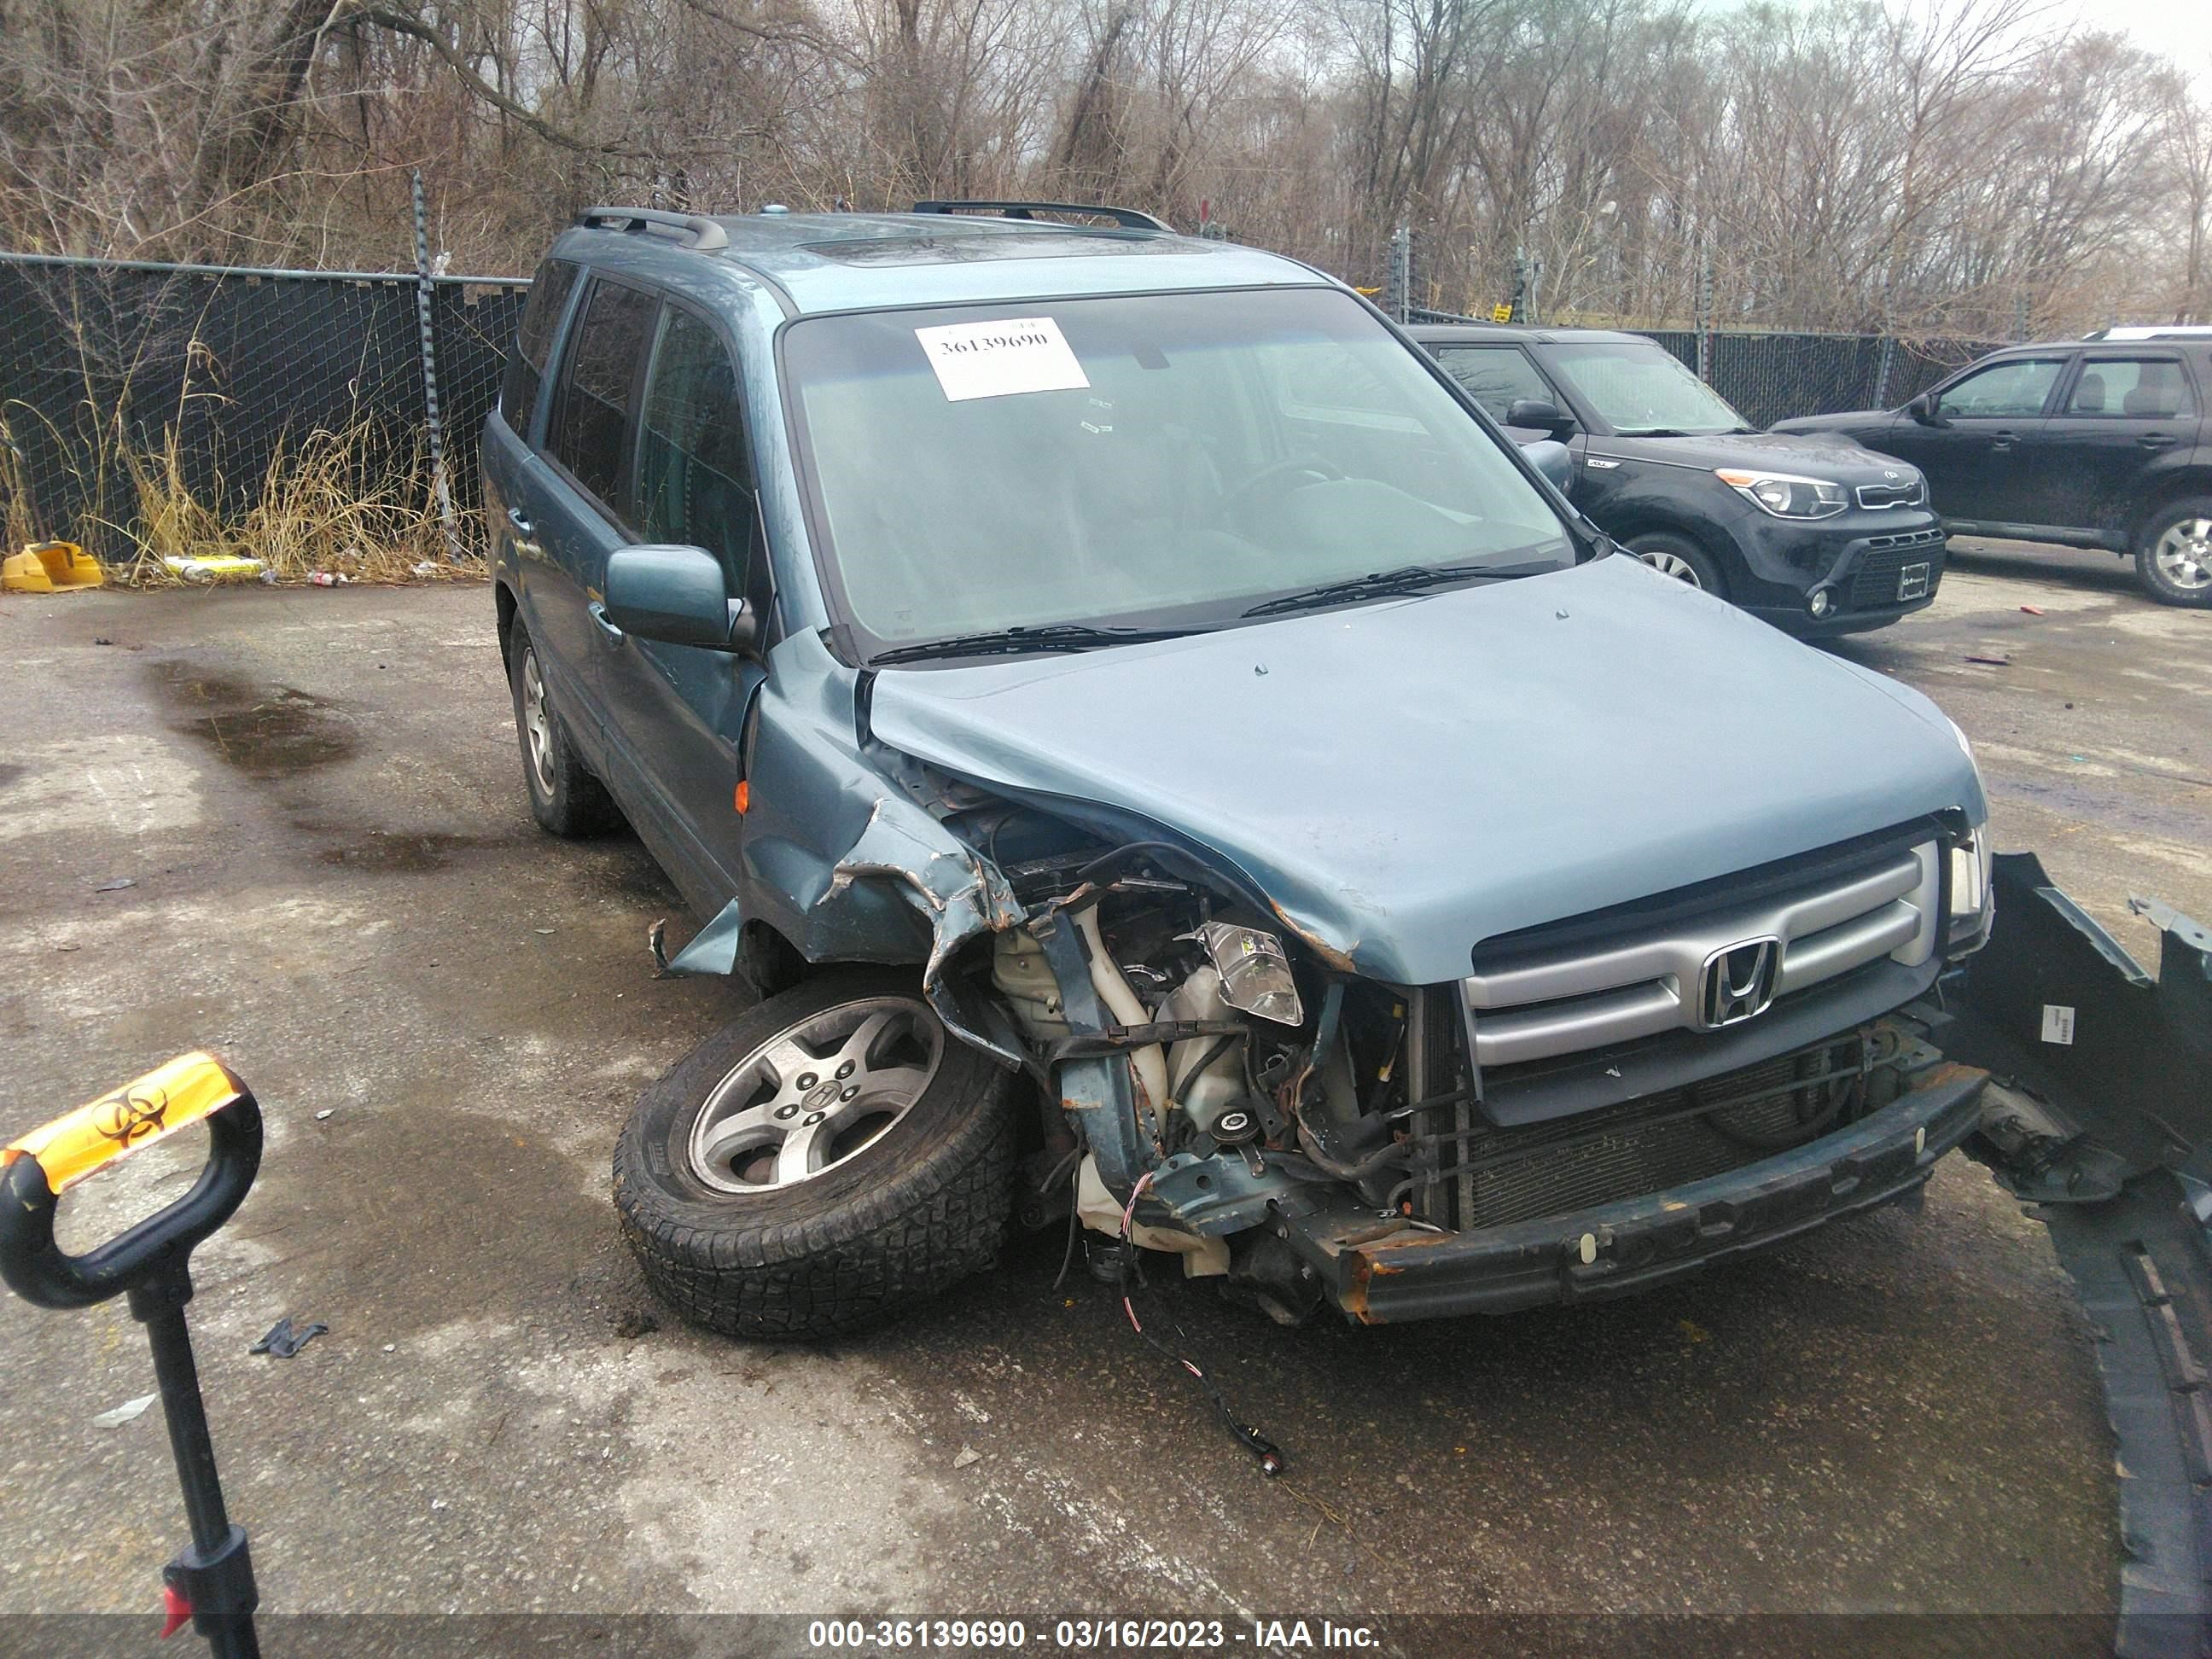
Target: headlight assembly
1785,495
1967,925
1255,973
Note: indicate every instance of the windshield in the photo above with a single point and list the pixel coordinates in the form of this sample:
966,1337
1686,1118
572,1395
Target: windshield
1640,389
1157,461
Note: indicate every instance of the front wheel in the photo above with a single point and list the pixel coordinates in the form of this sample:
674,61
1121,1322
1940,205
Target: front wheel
1679,557
2174,555
825,1159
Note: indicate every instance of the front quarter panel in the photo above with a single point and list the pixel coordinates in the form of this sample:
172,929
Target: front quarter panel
1631,497
839,858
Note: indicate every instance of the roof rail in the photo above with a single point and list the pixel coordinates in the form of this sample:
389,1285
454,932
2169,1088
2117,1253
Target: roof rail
2152,331
706,236
1127,218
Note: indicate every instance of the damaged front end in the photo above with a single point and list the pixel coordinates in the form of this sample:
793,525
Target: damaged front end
1315,1136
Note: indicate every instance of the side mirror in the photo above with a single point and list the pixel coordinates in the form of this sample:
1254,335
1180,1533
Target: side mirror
676,595
1540,413
1554,460
1923,410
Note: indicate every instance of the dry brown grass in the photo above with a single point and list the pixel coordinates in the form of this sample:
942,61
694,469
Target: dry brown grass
334,503
18,524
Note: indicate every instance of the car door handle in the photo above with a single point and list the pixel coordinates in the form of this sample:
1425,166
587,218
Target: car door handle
2158,441
606,625
2003,440
523,544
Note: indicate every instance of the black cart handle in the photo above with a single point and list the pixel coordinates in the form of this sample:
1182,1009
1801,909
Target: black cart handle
36,1170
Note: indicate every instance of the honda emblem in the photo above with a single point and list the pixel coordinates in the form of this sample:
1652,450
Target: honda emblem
1738,983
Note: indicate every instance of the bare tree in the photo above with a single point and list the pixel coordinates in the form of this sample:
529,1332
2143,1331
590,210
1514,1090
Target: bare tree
1848,164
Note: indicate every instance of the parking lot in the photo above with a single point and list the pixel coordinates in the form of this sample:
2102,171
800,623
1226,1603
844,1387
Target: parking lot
315,800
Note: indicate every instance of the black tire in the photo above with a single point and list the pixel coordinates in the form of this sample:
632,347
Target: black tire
2166,585
564,796
1654,545
912,1211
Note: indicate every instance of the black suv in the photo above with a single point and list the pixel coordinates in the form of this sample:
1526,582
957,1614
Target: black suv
2090,443
1816,537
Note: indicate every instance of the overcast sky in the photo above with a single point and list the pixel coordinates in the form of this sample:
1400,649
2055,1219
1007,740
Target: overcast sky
2180,28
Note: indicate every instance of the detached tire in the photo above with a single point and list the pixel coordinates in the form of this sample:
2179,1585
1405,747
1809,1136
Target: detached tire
1681,558
564,796
2174,555
824,1161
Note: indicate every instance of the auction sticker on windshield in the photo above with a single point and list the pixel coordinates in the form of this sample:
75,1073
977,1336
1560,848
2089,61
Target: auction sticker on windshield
992,360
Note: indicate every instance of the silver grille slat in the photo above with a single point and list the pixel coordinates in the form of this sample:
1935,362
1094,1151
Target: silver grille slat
1591,998
1875,495
1839,948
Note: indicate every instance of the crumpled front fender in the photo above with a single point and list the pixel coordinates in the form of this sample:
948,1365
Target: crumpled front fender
904,858
840,860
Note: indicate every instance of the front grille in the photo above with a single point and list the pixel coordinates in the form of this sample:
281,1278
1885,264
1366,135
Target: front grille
1474,1175
1876,495
1575,988
1874,584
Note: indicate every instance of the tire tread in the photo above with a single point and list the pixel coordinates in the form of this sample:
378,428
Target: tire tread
919,1229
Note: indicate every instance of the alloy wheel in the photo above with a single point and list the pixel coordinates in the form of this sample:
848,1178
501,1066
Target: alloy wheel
2184,554
537,724
1672,564
815,1094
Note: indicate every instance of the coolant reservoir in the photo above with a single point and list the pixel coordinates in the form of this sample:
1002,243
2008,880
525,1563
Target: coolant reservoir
1221,1084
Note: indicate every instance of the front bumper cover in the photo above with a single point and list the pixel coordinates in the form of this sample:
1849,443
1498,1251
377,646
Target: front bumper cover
1381,1271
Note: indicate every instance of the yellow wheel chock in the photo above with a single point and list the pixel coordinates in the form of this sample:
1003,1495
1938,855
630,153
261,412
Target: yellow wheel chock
50,568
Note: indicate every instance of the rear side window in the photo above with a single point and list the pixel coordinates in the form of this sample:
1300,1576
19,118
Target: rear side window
2133,388
525,364
1496,377
591,429
694,478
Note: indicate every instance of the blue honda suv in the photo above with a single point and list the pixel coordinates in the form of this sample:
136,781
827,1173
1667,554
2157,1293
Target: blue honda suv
1165,763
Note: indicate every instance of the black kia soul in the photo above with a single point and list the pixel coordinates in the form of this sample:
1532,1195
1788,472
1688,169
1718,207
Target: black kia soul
1817,536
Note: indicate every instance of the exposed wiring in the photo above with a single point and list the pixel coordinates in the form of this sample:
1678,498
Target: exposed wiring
1380,1158
1269,1454
1067,1255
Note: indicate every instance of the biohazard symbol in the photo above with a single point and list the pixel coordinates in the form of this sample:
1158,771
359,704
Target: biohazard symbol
126,1118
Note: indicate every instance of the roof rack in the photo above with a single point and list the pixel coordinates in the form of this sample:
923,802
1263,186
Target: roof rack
2152,331
706,236
1127,218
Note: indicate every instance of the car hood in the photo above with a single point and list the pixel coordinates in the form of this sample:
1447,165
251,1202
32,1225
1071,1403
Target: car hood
1837,458
1799,427
1405,779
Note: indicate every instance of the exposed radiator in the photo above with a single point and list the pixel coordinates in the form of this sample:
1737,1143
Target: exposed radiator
1478,1175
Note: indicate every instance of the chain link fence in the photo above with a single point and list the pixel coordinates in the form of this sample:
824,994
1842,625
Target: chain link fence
126,387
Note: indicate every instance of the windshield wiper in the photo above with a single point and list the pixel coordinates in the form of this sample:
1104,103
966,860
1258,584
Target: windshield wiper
1407,579
1005,641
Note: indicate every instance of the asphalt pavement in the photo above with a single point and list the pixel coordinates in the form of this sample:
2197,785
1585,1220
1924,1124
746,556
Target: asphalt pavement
314,799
